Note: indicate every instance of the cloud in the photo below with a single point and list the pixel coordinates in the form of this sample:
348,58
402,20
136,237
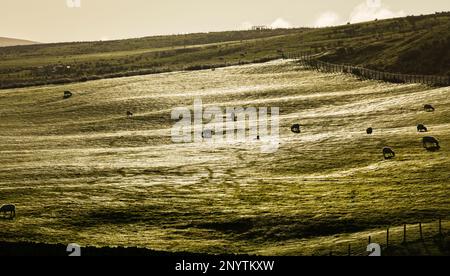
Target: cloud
367,11
326,19
280,23
371,10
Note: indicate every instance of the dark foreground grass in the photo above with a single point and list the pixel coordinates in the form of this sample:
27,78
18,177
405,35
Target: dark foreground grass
40,249
438,245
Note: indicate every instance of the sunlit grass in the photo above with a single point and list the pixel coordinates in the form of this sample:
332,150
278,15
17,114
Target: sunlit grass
80,171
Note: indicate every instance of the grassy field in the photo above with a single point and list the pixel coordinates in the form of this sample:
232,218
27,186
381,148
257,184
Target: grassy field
80,171
411,45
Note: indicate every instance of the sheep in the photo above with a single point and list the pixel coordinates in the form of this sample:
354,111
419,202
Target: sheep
428,108
295,128
129,114
231,117
388,153
9,208
369,130
431,143
421,128
234,117
67,94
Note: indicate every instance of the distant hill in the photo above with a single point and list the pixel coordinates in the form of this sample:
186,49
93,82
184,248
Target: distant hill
5,42
410,45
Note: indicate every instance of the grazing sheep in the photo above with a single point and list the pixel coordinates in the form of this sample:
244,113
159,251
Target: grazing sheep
428,108
388,153
67,94
296,128
9,208
431,143
129,114
422,128
369,130
231,117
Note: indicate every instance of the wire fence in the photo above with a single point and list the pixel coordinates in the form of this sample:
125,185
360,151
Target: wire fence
311,61
414,239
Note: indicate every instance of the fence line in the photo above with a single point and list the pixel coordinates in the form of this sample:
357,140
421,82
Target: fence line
408,233
311,62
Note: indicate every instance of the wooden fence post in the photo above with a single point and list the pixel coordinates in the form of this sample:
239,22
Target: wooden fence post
349,250
440,227
309,61
420,230
370,239
404,233
387,238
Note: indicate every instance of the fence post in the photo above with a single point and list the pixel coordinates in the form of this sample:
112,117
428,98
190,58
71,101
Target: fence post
370,239
349,250
440,227
387,238
307,60
404,233
420,230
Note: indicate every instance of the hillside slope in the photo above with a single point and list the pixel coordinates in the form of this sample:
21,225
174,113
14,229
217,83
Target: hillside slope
7,42
422,47
79,170
413,45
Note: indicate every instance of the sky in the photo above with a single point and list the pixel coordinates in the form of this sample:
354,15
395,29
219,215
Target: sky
87,20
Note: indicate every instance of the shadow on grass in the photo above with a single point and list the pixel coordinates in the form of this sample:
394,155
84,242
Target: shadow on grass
252,229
